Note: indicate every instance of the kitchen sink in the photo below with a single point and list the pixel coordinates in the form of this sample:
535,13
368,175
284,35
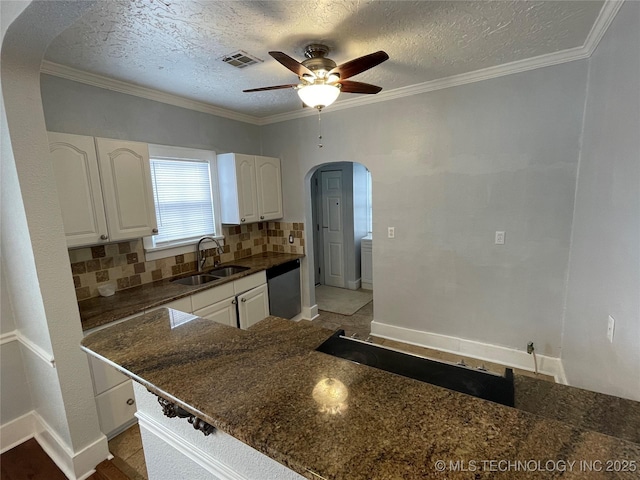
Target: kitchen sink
200,279
227,271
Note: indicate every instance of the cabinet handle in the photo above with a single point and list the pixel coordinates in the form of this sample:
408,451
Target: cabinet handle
261,217
234,302
243,300
155,230
130,401
104,237
242,219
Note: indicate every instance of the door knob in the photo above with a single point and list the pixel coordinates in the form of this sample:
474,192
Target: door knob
155,230
261,217
234,302
244,300
242,219
130,401
104,237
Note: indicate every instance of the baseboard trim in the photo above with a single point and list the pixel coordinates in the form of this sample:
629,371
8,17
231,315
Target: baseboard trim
309,313
469,348
192,452
75,465
16,431
366,286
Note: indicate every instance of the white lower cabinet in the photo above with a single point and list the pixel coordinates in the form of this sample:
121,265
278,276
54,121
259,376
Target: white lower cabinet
116,409
253,306
222,312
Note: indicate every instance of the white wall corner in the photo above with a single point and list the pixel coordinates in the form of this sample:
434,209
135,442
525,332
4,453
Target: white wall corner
309,313
509,357
355,285
75,465
17,431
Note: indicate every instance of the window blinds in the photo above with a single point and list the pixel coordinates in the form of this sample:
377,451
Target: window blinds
183,198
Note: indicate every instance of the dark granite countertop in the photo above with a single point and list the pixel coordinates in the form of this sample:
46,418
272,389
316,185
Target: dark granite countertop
261,386
99,311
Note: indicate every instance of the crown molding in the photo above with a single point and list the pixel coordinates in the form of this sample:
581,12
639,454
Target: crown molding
604,19
519,66
607,13
600,26
62,71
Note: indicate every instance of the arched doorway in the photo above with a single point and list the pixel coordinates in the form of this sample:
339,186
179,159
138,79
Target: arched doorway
341,224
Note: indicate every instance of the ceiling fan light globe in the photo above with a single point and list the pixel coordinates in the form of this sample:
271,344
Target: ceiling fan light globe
318,96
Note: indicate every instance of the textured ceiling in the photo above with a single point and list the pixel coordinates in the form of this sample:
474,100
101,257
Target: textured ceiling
177,46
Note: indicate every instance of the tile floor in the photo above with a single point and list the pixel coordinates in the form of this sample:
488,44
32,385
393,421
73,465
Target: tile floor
128,454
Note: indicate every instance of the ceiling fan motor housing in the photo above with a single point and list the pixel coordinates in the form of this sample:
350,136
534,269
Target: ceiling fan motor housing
316,60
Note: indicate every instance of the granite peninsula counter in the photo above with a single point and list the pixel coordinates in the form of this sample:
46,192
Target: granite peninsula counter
257,386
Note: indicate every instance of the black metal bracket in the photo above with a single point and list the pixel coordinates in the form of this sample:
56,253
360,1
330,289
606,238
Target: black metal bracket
172,410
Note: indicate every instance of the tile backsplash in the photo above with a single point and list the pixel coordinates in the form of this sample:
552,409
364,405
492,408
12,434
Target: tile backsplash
123,264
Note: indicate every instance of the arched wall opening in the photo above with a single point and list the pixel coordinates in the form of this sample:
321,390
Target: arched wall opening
338,200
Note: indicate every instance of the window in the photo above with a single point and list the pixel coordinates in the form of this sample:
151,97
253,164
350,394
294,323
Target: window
185,196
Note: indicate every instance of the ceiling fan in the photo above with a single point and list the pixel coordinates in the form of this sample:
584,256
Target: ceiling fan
321,80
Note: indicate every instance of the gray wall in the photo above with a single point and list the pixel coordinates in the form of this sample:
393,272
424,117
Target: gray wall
605,252
15,399
449,168
72,107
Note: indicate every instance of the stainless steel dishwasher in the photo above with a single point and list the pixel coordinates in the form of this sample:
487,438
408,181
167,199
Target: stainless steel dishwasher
284,289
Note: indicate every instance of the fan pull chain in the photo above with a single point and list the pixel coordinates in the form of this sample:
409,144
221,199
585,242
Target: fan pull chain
319,129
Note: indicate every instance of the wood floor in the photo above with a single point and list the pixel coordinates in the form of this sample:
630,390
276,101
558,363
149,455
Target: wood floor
28,461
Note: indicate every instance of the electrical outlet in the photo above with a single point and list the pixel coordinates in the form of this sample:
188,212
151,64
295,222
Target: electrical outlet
499,238
610,327
392,232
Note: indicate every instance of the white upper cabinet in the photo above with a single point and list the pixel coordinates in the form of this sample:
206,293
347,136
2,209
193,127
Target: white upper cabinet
105,196
269,186
75,167
126,186
250,188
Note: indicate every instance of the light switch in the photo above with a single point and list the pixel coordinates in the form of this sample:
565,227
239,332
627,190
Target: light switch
499,238
392,232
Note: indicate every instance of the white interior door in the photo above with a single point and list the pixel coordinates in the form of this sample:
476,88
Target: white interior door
333,228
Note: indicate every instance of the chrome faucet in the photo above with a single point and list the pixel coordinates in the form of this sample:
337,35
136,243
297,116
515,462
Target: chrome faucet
201,258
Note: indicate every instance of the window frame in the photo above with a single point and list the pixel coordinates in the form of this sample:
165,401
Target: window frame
153,250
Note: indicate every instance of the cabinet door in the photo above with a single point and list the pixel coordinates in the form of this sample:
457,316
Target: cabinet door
247,191
75,167
116,408
222,312
269,185
253,306
126,184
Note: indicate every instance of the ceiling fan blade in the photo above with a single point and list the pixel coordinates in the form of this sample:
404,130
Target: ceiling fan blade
292,64
360,64
349,86
275,87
